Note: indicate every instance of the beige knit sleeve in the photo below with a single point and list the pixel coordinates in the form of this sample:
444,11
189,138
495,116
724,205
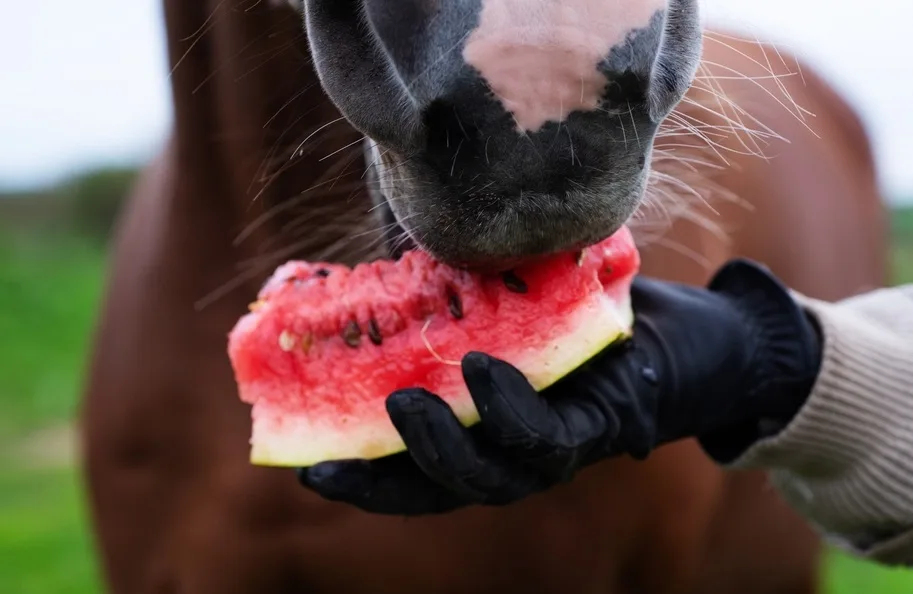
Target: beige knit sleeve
846,460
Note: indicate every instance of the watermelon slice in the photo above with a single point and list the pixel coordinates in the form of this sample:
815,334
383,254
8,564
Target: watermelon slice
325,344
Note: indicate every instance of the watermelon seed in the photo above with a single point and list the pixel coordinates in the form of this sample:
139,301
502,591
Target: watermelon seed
352,334
374,332
286,341
323,272
306,341
514,283
579,258
455,305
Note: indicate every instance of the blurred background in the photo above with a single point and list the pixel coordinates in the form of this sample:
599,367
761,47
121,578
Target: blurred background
84,101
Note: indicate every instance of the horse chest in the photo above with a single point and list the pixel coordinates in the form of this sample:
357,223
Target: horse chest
586,538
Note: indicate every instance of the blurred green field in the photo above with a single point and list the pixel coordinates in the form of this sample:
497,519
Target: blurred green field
49,289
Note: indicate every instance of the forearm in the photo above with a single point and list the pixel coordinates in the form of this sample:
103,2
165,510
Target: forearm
846,460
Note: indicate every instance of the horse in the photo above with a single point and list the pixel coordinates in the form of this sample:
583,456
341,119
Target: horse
279,152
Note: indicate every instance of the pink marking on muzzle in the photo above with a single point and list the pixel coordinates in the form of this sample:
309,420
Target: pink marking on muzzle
540,57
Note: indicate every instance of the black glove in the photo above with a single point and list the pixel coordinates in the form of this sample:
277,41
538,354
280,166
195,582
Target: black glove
727,364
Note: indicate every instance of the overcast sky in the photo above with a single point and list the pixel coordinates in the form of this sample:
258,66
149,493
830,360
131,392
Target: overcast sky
85,82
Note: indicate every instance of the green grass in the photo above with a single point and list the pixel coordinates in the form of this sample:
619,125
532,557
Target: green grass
49,291
847,575
902,239
45,547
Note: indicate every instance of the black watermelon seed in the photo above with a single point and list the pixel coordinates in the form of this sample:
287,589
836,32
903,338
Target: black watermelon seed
578,258
352,334
455,306
323,272
514,283
374,332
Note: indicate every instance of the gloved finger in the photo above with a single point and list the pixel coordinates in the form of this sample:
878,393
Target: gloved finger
448,452
393,485
520,419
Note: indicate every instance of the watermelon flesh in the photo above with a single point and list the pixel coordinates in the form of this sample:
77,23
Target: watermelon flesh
324,344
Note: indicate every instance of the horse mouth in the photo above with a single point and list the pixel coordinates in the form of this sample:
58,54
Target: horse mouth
517,216
400,238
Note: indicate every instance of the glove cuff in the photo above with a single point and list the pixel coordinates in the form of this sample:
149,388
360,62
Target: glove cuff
785,363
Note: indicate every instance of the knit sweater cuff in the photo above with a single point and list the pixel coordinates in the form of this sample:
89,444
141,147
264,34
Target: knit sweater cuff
844,461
